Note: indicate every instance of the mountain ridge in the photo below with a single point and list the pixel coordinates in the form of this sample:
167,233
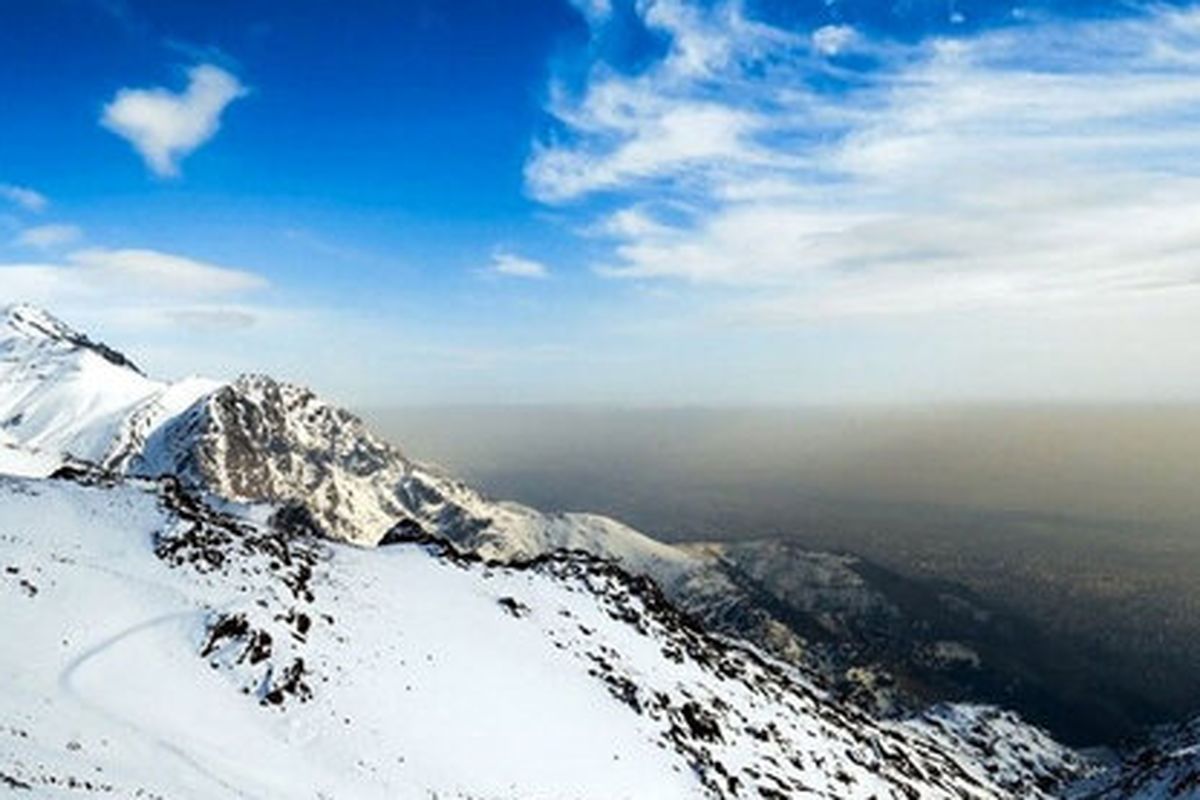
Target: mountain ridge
280,664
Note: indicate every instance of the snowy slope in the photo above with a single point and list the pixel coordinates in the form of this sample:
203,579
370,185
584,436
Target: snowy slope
157,648
16,460
60,392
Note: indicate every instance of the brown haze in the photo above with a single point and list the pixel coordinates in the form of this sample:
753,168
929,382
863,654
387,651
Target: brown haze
1118,463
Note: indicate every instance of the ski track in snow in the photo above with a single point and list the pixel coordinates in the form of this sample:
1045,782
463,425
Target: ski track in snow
66,680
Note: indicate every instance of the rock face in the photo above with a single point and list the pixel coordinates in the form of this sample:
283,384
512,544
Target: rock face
258,440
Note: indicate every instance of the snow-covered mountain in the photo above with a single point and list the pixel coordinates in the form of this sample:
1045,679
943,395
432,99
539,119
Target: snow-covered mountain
259,440
157,647
196,622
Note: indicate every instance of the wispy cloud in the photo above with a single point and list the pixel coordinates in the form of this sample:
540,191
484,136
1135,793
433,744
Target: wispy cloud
831,40
163,273
511,265
1048,164
323,246
48,237
23,196
164,126
138,288
212,319
125,276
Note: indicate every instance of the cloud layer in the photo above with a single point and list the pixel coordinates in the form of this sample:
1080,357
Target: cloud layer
162,273
823,174
24,197
163,126
121,277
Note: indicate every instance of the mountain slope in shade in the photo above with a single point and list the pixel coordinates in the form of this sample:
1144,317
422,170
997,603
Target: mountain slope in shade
161,648
1168,768
937,639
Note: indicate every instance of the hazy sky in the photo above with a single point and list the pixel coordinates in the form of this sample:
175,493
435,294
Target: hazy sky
684,473
653,202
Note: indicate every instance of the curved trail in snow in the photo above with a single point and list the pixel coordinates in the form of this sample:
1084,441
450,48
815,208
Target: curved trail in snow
66,683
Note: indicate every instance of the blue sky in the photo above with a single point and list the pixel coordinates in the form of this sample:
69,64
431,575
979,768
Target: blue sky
658,202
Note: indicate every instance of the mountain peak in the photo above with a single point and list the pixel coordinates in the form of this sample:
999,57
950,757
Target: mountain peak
31,323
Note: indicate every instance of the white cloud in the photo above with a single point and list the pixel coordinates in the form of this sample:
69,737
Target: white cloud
155,272
46,237
98,278
658,140
662,125
514,266
164,126
160,303
1049,165
830,40
23,196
